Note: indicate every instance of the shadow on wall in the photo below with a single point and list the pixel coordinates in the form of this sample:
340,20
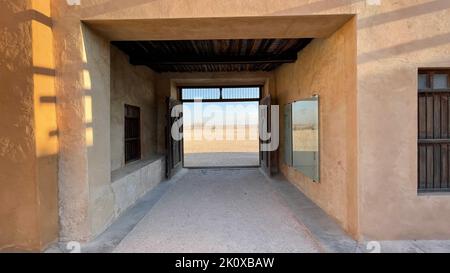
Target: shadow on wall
316,7
310,8
327,5
398,15
389,80
404,48
404,13
95,94
112,6
380,19
29,135
45,124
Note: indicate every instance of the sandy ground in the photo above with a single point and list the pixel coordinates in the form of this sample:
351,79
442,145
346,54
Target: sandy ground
221,160
242,151
220,211
221,146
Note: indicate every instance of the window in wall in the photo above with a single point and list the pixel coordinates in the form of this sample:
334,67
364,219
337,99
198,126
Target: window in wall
243,93
200,93
302,149
231,93
434,130
132,133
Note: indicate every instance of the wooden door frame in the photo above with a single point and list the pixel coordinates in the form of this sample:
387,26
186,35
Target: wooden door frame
271,167
171,166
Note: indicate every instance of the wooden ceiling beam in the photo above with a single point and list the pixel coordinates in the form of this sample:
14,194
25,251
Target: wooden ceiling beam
213,60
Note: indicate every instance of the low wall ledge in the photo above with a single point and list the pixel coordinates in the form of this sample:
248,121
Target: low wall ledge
134,166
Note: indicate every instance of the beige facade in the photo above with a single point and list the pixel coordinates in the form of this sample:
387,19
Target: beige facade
59,76
28,138
333,61
133,86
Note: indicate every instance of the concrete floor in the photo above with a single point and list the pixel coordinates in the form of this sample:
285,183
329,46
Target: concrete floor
232,210
220,211
221,159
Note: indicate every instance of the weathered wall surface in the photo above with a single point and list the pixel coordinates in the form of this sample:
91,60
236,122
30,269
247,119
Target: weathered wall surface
17,215
133,85
45,124
135,181
28,144
97,85
148,9
393,41
88,201
327,67
72,131
83,95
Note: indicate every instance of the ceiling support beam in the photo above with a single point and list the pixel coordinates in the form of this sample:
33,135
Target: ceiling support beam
214,60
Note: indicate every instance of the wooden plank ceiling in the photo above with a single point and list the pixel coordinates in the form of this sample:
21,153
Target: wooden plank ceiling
213,55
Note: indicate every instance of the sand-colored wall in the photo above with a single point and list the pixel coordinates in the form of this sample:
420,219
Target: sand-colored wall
132,85
150,9
97,87
88,203
327,67
28,138
393,41
70,94
86,200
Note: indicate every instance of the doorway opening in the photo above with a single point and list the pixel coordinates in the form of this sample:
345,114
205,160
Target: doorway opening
221,126
221,84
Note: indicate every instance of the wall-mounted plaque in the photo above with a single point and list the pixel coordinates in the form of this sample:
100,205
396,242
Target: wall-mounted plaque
305,137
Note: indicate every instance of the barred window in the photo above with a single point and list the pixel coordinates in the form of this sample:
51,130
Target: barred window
132,133
434,130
